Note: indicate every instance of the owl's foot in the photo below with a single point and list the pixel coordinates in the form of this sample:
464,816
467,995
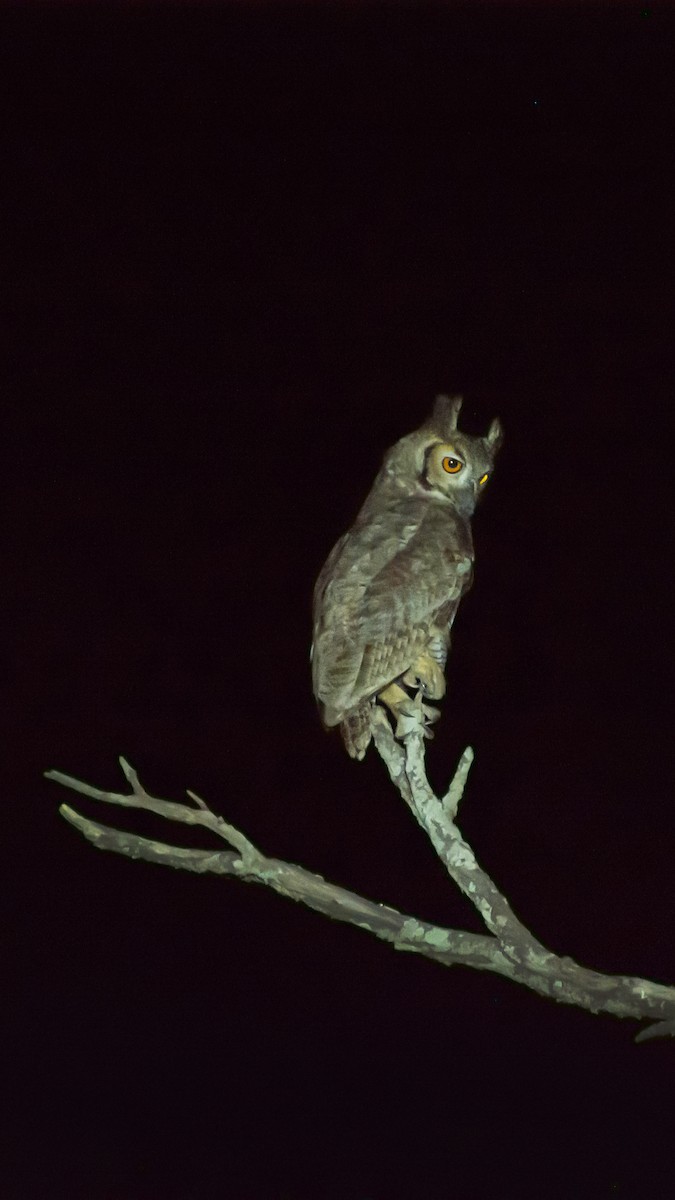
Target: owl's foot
410,713
413,716
426,675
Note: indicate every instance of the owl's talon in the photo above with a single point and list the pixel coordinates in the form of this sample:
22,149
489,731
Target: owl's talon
431,715
426,675
413,717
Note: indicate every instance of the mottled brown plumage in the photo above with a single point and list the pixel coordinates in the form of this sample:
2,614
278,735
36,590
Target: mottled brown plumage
388,593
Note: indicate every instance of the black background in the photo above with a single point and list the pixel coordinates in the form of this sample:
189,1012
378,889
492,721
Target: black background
244,248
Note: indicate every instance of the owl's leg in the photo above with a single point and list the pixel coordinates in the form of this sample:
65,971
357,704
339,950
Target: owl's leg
426,675
407,711
393,696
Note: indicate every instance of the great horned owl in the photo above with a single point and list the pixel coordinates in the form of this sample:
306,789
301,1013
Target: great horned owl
386,598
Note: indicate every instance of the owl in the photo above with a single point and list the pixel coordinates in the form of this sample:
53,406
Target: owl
388,593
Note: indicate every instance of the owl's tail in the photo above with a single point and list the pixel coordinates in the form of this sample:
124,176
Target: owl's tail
356,731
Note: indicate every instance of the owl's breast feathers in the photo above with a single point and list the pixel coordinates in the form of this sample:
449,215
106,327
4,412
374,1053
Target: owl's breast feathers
392,583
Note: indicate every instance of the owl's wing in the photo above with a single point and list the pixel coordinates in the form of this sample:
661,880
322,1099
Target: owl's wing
415,594
379,598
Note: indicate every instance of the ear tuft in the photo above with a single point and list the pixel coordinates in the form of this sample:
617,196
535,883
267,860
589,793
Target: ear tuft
495,435
446,411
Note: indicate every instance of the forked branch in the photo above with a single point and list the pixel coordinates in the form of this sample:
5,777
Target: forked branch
508,949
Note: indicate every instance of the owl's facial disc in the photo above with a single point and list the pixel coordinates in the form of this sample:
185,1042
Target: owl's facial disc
456,469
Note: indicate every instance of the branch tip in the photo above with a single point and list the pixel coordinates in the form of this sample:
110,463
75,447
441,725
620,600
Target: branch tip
129,773
55,776
660,1030
198,800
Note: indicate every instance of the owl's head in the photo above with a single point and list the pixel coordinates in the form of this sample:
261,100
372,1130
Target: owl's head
444,462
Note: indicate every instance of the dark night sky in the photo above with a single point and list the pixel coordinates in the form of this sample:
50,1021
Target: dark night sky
243,249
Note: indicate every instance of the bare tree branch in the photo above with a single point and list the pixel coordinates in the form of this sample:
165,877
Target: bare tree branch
508,950
407,770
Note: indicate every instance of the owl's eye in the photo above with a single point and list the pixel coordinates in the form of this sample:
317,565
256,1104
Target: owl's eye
483,479
452,465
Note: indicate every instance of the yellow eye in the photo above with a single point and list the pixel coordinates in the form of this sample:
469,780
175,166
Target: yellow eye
452,465
483,479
